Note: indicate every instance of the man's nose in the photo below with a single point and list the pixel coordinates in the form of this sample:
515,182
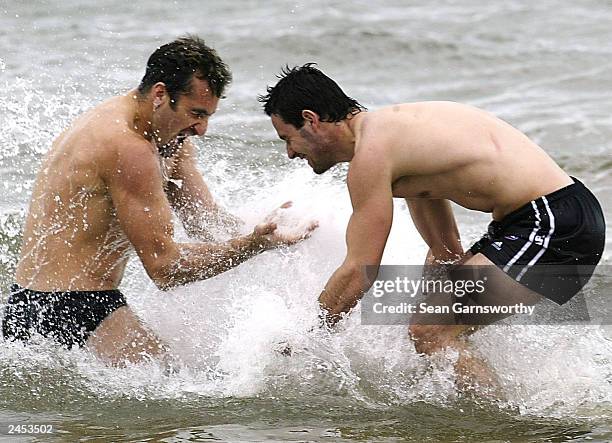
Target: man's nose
291,153
200,128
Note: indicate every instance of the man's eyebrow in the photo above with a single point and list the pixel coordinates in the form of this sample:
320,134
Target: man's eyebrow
202,111
282,137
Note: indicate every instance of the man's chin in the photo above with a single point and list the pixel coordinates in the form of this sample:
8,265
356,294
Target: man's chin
320,170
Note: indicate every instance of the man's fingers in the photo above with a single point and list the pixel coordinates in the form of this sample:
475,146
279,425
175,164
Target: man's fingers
265,228
276,212
278,239
309,229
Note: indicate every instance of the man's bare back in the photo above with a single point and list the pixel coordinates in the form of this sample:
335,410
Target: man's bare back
455,152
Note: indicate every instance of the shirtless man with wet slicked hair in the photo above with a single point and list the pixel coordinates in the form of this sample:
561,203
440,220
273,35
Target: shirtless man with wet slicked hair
109,185
429,154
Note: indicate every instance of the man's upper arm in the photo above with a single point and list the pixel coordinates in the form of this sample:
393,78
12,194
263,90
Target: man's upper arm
370,223
134,182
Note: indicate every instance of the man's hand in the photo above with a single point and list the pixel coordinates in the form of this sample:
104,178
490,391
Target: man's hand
280,228
333,308
267,236
342,292
444,256
277,214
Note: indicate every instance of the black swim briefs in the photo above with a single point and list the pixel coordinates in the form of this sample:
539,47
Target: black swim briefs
67,317
550,245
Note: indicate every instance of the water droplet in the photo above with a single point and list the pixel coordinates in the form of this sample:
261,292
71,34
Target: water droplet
146,209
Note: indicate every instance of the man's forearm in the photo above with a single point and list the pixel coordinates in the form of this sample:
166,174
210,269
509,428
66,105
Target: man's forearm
342,292
227,219
200,225
201,261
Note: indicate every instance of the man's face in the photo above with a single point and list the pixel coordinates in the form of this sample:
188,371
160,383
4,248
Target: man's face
304,143
190,116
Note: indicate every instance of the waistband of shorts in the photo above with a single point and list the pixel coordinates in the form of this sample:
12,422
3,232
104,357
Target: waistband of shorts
19,294
566,191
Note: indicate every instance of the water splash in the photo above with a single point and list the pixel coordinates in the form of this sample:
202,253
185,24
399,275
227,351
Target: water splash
227,330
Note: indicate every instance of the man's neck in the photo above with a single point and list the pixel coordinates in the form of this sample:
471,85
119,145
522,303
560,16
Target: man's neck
142,114
348,136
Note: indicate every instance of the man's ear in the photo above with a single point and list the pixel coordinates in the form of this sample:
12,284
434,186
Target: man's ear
311,118
160,93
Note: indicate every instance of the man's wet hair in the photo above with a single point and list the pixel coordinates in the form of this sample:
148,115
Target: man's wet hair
306,87
176,63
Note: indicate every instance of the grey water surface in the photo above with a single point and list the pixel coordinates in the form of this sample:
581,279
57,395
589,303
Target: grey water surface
545,67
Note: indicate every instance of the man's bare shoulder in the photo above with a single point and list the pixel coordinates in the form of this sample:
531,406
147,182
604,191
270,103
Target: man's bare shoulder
376,135
99,132
115,145
109,129
112,122
382,126
371,163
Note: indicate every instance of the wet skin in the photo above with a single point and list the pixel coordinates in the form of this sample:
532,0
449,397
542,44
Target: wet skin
108,186
429,154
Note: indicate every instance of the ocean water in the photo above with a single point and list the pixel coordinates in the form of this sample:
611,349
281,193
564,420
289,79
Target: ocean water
544,67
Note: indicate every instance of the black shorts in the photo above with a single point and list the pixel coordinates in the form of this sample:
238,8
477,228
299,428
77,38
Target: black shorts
67,317
550,245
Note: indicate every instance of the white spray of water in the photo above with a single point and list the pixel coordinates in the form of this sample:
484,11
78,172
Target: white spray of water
231,327
227,330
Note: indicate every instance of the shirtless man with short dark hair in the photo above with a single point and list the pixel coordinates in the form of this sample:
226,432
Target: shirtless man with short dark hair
429,154
108,185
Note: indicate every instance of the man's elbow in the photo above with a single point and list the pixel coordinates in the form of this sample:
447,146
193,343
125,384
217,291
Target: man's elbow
162,270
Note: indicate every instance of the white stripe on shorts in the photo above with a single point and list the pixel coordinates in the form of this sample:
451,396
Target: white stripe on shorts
534,260
520,253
